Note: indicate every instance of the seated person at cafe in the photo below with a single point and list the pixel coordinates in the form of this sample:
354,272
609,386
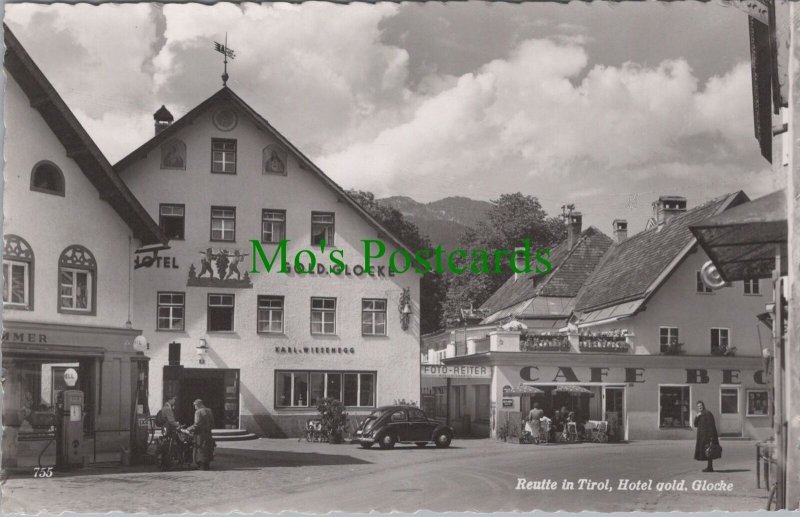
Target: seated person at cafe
560,418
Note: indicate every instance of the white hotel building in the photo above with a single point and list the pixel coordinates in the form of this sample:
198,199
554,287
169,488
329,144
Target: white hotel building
261,349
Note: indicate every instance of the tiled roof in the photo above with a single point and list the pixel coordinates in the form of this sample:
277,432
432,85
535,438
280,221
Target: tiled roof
571,267
630,268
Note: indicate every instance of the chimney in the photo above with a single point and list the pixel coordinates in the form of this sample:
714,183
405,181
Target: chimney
574,220
620,230
668,207
163,119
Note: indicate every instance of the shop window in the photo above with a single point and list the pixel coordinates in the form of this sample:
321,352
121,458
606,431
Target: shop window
373,317
323,315
273,226
47,177
752,286
77,275
729,401
720,341
223,156
223,223
171,309
322,227
220,312
17,273
673,403
757,403
308,388
31,388
667,338
270,314
700,285
171,220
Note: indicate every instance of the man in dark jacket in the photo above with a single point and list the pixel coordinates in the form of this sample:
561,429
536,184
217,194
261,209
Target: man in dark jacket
706,435
203,441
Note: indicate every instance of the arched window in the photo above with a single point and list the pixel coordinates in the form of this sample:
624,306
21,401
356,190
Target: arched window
47,177
17,273
77,281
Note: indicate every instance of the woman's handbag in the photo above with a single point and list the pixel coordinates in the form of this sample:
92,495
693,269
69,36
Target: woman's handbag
713,451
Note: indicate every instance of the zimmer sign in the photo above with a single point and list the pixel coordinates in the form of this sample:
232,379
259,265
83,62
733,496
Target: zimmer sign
456,371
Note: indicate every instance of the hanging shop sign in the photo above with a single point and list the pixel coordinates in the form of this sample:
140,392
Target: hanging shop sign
456,371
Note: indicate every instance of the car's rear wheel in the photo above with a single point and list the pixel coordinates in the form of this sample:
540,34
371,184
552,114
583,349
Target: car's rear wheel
366,445
443,440
388,441
421,444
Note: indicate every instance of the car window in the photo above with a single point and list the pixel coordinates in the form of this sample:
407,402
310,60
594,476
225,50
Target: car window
417,415
399,416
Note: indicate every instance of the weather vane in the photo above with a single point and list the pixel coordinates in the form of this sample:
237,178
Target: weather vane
228,53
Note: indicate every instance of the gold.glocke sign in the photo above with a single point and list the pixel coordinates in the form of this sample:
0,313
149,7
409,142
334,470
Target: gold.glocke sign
456,371
553,374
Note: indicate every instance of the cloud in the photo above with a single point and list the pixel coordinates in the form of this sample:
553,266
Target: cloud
541,115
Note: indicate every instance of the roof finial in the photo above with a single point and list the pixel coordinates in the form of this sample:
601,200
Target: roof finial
228,53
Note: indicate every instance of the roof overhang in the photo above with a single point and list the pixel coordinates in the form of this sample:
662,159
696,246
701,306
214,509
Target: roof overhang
743,242
76,141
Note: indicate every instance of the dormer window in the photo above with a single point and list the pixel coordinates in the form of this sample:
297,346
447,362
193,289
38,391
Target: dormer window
47,177
223,156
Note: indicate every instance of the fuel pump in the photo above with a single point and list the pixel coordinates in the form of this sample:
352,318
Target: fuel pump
69,429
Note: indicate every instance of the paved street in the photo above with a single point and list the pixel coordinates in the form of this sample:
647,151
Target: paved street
481,475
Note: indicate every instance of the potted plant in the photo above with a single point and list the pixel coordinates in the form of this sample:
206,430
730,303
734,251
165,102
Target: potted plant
333,418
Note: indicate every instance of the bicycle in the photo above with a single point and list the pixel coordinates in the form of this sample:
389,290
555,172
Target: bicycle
174,449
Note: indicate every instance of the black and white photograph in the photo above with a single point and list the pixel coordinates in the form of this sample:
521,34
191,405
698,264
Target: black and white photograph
397,257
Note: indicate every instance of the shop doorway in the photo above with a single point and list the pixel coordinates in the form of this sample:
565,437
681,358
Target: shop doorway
730,421
217,387
614,413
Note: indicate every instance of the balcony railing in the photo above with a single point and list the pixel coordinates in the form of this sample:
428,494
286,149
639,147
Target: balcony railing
607,342
544,343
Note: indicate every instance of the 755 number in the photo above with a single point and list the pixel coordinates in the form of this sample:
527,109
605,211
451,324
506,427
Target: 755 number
42,472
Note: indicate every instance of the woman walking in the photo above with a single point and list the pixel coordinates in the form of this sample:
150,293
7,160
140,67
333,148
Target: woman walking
707,447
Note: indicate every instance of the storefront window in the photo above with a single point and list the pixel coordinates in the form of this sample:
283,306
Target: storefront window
31,390
674,406
307,389
334,386
729,401
757,403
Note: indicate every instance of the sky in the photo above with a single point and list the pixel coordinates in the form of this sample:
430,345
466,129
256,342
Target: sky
602,105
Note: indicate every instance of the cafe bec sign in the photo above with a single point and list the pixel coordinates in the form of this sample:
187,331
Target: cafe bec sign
456,371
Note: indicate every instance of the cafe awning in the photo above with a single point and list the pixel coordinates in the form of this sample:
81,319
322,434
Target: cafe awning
743,241
523,389
572,389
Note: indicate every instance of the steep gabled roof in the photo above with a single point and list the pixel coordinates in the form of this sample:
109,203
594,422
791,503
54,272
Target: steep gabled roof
76,141
225,94
633,269
571,267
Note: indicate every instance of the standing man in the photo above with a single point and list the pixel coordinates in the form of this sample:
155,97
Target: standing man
203,441
168,415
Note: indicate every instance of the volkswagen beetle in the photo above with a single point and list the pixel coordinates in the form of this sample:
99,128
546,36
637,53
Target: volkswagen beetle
389,425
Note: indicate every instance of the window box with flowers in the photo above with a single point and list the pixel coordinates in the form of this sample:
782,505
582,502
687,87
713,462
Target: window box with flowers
674,347
614,340
544,342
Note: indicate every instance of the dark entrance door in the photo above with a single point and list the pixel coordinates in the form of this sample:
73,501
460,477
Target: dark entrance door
202,383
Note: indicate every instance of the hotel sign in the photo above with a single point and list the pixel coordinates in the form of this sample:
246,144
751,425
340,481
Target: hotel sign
456,371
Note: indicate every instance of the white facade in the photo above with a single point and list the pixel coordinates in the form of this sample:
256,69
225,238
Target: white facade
250,358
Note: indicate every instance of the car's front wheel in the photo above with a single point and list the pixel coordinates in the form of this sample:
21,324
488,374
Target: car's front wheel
443,440
388,441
